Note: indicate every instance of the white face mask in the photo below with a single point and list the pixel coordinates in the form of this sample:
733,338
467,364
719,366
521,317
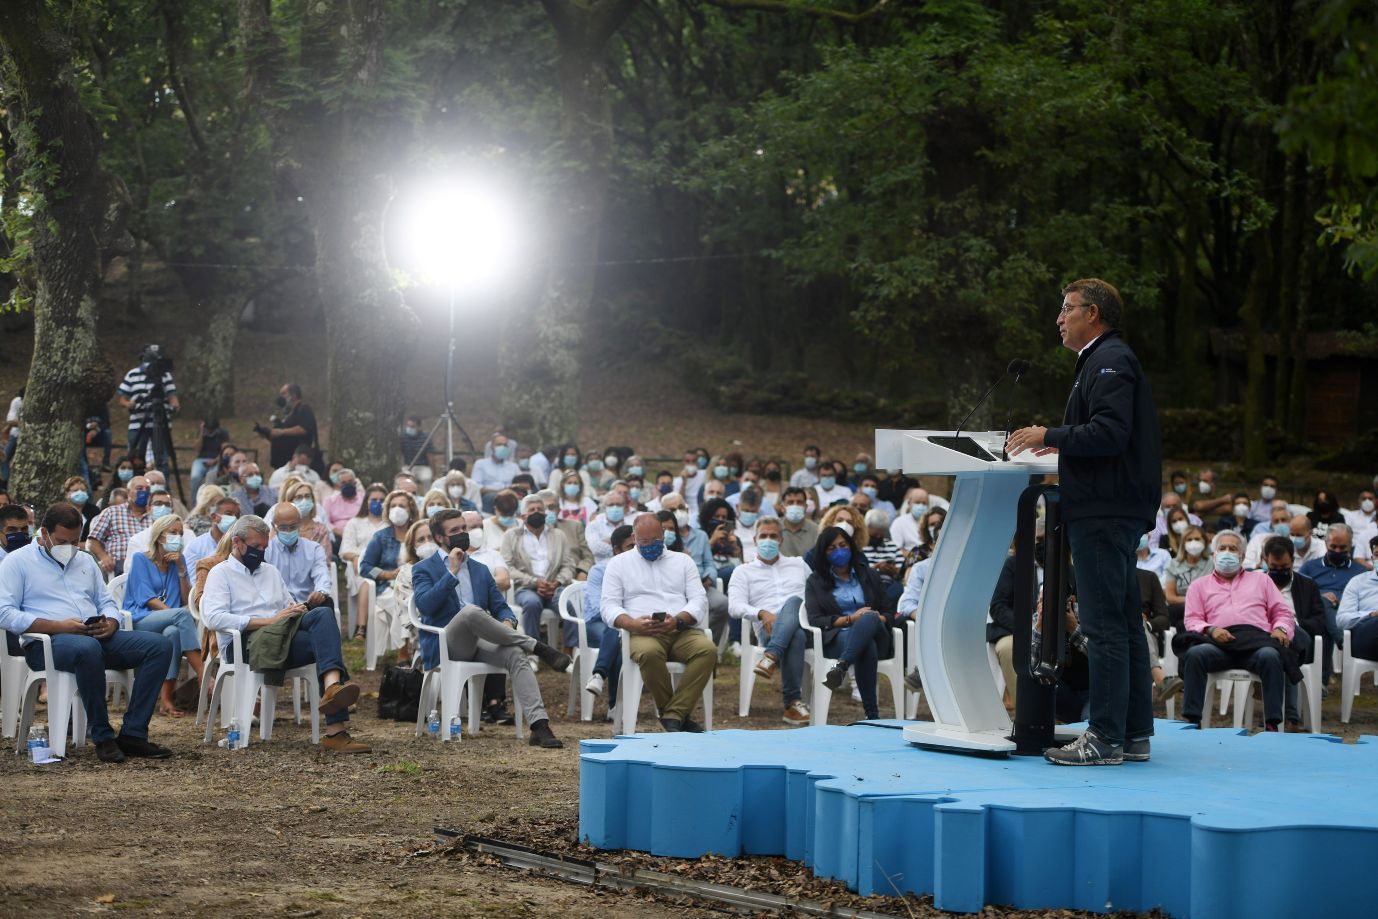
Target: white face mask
398,516
1366,505
846,527
63,555
1179,526
682,518
455,491
425,550
1241,510
476,539
1267,492
1195,547
1203,487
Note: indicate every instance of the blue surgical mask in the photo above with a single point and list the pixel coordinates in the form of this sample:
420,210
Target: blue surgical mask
79,497
304,506
636,471
1180,488
701,462
551,518
375,507
748,518
571,461
810,462
159,511
172,543
1227,562
126,474
671,537
571,491
594,465
226,521
767,548
827,482
1281,529
634,493
507,522
616,513
918,510
652,551
334,478
1300,542
254,481
288,537
720,472
840,557
860,468
794,513
433,510
500,452
1143,542
523,464
869,491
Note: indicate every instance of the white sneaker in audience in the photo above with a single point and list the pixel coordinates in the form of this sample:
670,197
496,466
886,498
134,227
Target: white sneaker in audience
797,713
856,690
595,685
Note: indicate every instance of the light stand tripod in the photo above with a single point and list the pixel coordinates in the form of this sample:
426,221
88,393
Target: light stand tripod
447,417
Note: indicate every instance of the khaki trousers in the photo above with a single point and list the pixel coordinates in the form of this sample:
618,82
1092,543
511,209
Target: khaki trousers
691,648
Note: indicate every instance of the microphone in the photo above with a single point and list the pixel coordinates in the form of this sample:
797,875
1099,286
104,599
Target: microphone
1016,368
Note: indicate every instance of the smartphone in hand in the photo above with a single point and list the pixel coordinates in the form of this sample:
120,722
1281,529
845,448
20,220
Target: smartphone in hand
659,617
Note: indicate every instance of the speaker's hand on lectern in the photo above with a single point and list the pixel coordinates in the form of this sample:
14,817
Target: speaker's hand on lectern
1031,438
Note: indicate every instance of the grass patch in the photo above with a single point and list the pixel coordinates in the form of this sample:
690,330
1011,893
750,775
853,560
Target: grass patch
132,904
403,767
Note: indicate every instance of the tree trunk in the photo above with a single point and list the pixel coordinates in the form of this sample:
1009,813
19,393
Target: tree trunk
209,380
1255,367
76,208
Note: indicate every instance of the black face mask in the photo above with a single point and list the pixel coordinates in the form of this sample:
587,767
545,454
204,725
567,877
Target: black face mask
252,558
17,540
1281,576
773,475
1338,559
460,541
1040,552
349,489
281,401
536,521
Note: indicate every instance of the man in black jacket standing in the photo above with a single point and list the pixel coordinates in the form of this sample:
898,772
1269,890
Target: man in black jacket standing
1110,471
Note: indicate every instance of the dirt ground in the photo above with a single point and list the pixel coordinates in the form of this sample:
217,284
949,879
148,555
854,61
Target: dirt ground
282,829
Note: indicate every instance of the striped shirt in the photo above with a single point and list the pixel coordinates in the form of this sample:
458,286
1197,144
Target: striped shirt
136,386
882,552
115,526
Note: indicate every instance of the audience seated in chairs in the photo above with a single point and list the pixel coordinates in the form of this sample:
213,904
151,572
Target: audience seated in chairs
658,598
1332,575
113,527
301,562
391,612
799,533
255,496
381,557
767,593
1303,597
301,495
50,587
459,594
1193,560
1235,619
540,562
1358,612
244,592
846,599
156,596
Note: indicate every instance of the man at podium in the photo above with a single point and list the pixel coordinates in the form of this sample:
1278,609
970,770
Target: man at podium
1109,452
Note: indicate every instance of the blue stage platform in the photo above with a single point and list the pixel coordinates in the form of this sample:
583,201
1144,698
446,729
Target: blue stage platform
1218,824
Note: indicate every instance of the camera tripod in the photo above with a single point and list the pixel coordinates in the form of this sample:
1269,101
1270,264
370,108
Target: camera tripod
157,429
447,417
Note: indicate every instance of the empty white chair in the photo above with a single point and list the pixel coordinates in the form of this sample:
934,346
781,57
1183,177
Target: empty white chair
584,657
891,668
1352,670
631,684
450,682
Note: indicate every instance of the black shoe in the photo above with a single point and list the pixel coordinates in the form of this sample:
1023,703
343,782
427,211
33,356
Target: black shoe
833,679
498,714
690,726
1136,751
136,746
912,681
107,751
1086,750
541,736
552,657
672,725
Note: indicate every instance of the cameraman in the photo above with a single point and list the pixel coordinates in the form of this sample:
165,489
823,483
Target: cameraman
144,389
296,427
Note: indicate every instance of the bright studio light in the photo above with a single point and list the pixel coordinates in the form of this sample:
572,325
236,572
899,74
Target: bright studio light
462,235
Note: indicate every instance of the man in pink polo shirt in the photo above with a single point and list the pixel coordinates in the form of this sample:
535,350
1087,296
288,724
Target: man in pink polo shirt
1243,618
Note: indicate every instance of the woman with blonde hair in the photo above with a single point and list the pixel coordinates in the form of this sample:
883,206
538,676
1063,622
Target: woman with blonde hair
75,491
838,514
156,595
199,520
459,489
435,501
209,644
302,495
392,606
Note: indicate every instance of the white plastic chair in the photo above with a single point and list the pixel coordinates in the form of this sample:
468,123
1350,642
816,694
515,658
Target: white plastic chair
14,669
1240,682
1171,667
1352,670
64,703
450,682
631,684
911,698
581,667
237,700
751,653
120,681
891,668
1311,688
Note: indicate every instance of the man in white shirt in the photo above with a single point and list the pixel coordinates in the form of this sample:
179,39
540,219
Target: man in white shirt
301,562
690,482
658,598
829,490
904,531
299,465
1150,558
49,587
807,475
1279,524
245,593
541,563
1308,546
496,473
486,555
598,533
767,593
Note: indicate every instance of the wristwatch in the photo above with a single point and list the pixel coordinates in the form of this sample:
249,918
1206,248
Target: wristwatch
681,625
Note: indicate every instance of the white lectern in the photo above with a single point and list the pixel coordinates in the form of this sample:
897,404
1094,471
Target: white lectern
967,710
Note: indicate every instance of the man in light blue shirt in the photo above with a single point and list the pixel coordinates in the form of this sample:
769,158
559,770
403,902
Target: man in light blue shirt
495,474
50,587
14,528
301,562
1358,611
223,515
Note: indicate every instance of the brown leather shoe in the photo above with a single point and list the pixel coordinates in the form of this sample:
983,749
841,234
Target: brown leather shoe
339,697
343,743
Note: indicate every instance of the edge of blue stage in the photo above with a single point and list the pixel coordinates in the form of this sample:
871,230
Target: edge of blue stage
1216,824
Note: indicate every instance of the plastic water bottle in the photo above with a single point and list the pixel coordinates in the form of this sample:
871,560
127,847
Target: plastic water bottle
36,744
454,727
232,740
433,723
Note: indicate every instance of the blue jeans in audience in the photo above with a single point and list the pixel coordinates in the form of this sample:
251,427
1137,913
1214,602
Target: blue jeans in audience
1201,661
147,654
609,663
856,645
786,644
532,605
177,626
317,642
1364,634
